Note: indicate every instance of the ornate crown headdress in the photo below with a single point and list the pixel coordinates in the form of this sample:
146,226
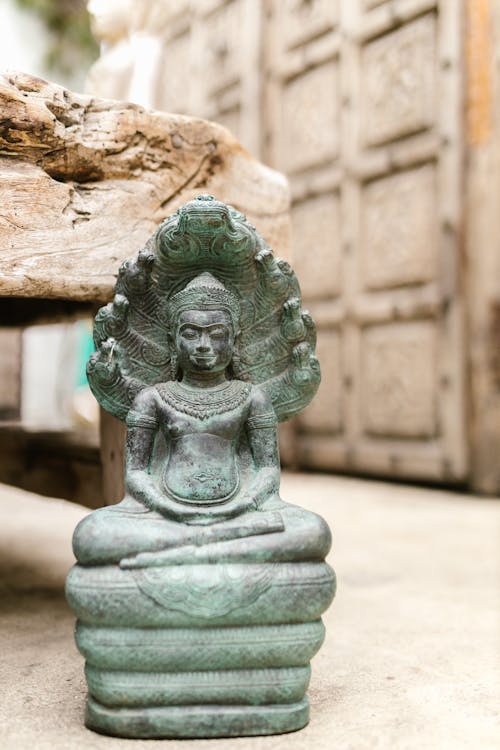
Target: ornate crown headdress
204,292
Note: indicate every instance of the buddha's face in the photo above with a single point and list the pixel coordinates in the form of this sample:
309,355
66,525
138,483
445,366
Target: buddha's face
204,341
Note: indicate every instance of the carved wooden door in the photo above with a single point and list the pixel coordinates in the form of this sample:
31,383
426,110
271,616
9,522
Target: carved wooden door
363,113
211,65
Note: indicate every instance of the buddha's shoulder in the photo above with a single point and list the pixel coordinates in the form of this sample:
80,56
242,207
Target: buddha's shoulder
253,397
259,400
146,398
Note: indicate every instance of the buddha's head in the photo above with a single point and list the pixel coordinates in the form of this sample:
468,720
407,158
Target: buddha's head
204,319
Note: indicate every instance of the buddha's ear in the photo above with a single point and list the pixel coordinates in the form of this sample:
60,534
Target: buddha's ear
173,355
174,365
235,360
236,344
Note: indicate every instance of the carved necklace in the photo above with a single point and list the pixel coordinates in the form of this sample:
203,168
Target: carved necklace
205,402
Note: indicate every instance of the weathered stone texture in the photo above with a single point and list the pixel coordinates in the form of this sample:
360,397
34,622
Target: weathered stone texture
84,181
202,372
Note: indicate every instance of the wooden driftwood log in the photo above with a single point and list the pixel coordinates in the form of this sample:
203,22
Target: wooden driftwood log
85,181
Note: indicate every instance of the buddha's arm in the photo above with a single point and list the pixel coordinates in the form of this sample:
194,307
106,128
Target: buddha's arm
262,433
142,425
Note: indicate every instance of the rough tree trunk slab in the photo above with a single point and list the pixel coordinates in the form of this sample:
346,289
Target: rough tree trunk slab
85,181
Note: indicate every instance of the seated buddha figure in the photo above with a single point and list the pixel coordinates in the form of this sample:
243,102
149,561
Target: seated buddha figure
199,596
202,463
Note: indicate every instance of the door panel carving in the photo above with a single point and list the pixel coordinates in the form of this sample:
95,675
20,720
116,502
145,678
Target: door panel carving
399,238
368,134
398,72
313,220
303,20
398,374
310,134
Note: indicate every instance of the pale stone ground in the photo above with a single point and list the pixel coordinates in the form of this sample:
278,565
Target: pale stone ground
412,654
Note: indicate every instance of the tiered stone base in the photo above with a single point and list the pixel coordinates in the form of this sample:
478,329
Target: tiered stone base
199,650
200,721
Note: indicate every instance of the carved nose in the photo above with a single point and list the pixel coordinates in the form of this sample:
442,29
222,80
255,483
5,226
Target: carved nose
204,343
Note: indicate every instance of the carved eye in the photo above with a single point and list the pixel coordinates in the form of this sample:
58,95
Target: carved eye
217,333
189,333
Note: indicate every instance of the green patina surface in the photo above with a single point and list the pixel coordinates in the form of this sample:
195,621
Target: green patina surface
199,595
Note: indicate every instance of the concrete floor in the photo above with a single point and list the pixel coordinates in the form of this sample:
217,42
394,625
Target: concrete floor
412,654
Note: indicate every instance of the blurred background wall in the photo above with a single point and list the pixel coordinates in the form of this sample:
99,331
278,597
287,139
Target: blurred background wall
375,111
384,117
48,38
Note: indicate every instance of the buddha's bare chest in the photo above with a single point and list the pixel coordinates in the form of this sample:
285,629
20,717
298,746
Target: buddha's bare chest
221,414
201,434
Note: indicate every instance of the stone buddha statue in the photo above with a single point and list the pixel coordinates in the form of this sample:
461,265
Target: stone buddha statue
203,350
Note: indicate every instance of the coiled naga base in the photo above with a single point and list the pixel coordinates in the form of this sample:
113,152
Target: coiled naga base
199,596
